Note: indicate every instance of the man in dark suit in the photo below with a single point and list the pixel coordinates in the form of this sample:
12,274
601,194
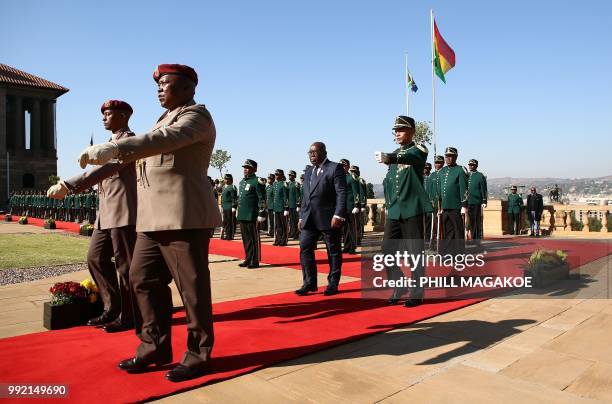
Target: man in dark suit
323,212
535,207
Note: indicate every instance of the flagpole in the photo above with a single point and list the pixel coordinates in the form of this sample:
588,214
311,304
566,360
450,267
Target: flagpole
433,84
406,81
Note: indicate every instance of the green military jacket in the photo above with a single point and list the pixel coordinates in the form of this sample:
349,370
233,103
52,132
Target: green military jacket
68,201
477,188
280,196
363,193
431,187
88,200
270,196
452,187
405,196
229,197
515,203
251,199
293,193
352,193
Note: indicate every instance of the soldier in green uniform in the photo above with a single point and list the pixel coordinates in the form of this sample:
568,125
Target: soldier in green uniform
427,177
270,204
293,201
251,210
363,196
406,202
515,205
229,202
453,195
349,230
477,199
281,208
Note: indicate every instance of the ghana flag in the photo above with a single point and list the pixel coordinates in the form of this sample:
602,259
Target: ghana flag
444,55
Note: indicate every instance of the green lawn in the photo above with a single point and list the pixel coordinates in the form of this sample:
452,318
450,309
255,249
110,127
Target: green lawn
32,250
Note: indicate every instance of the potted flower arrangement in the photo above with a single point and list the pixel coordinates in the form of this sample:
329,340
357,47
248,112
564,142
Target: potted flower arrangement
49,224
23,220
71,304
547,266
86,230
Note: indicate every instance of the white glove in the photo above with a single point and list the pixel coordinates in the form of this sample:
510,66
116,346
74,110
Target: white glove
484,205
286,213
355,211
378,156
463,210
57,191
297,209
98,154
261,219
233,210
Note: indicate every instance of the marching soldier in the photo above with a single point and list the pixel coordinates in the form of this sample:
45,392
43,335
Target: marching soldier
270,204
293,192
453,194
363,196
515,205
433,183
114,234
251,210
427,177
406,203
280,206
477,199
349,230
229,203
176,212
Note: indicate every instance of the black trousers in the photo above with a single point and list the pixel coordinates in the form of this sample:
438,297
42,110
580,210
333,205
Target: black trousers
514,220
229,226
280,228
454,232
294,232
270,222
159,258
251,242
349,234
117,243
475,213
308,243
410,235
430,224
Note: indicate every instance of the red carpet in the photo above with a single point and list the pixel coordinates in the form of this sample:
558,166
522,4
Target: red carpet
250,333
67,226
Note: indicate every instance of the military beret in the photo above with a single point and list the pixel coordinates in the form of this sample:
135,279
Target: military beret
403,121
428,165
278,171
473,161
291,172
513,187
345,162
271,176
116,104
250,163
181,70
354,168
439,159
450,151
228,176
301,175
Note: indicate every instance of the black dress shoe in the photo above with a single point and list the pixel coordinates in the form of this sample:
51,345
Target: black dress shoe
243,264
182,373
303,291
252,266
136,364
413,302
118,326
331,291
397,295
102,319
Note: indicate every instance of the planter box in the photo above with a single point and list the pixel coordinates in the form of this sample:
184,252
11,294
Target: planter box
23,222
85,232
544,276
69,315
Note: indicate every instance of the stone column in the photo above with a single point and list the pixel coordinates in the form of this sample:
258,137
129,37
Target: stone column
604,223
19,126
35,126
50,130
2,123
585,221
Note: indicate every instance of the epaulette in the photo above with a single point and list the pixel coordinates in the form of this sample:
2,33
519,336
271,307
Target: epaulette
422,148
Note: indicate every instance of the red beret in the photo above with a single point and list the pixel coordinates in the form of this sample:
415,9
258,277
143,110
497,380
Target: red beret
181,70
116,104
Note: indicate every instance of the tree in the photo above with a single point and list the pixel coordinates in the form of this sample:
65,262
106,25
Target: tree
423,133
219,160
370,193
53,179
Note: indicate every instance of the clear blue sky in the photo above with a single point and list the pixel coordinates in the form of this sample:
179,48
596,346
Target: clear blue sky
530,94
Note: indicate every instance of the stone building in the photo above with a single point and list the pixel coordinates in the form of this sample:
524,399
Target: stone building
27,130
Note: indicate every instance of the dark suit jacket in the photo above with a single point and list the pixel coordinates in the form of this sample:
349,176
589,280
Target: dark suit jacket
324,196
535,203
